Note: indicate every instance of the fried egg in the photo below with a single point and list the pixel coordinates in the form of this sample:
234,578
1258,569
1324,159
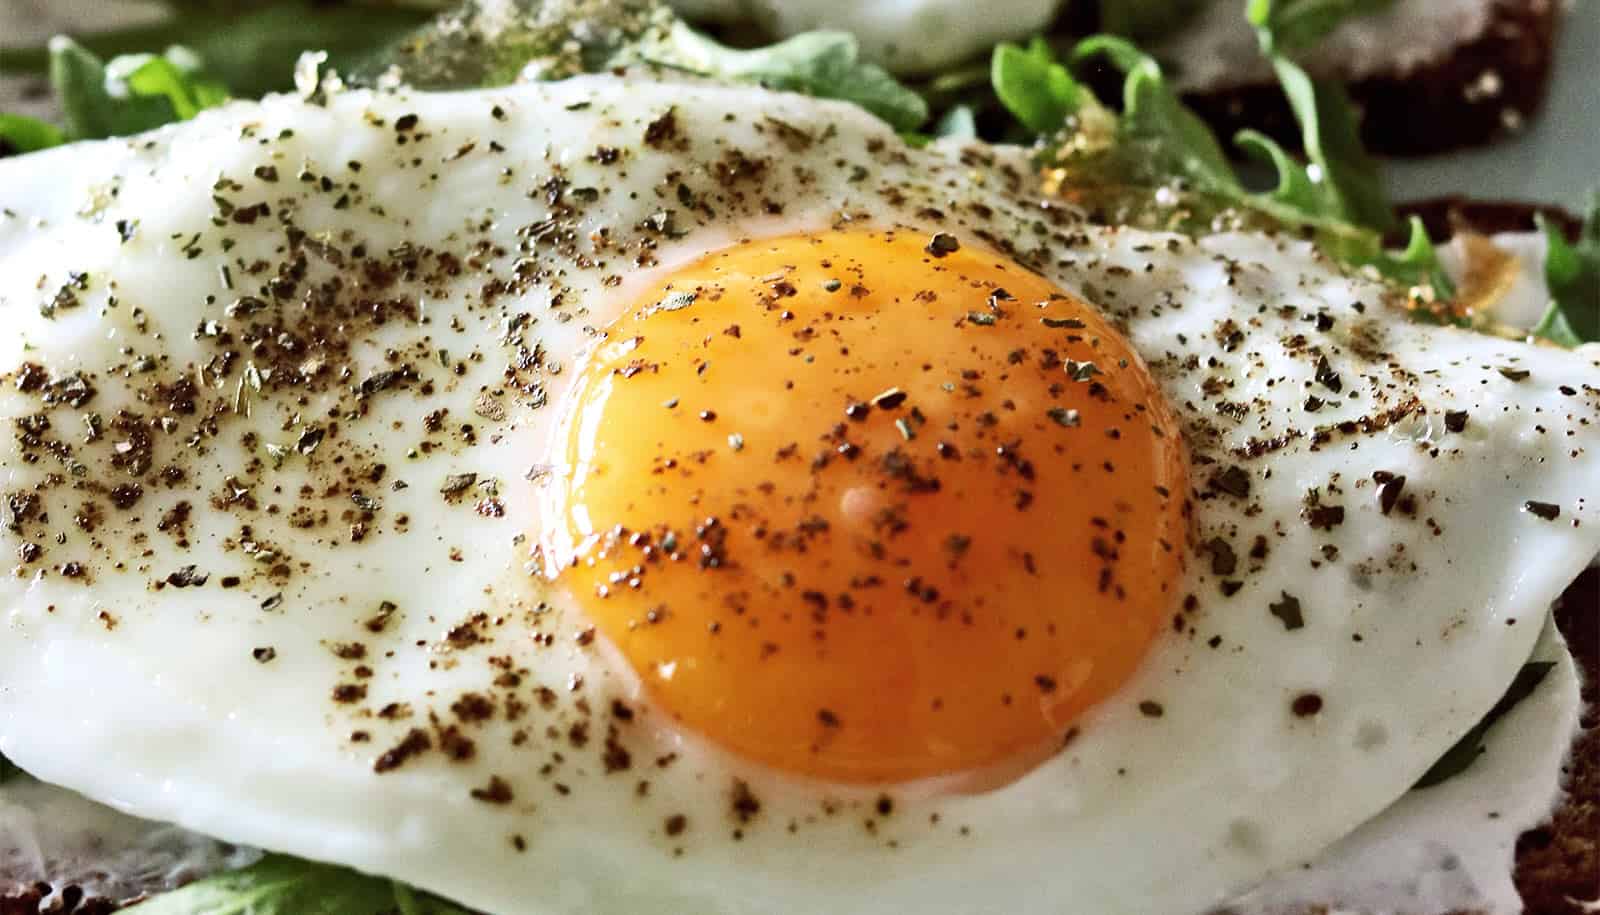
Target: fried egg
619,495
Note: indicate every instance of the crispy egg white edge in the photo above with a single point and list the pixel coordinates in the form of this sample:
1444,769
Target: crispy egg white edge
217,787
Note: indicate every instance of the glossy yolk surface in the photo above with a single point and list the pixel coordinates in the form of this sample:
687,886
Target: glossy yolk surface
870,507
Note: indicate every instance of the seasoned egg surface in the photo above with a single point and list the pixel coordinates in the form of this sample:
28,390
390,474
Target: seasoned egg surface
616,495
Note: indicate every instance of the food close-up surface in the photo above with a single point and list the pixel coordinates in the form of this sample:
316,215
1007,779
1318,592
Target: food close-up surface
532,457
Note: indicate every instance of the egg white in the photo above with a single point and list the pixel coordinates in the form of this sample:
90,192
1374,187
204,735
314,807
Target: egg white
151,698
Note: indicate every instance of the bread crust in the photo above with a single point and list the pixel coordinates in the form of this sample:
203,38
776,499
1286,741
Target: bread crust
1487,88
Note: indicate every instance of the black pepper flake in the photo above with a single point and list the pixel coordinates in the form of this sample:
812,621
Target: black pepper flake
1065,418
1046,684
1151,709
1327,377
309,440
126,229
405,122
1288,610
1306,705
1455,420
1389,488
264,654
1547,511
744,803
1223,560
416,741
1068,323
889,399
1324,517
675,824
188,576
1233,480
827,718
496,792
1080,371
943,243
1511,374
349,692
272,603
981,318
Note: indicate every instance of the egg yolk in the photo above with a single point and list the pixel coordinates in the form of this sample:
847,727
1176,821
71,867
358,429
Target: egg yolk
870,507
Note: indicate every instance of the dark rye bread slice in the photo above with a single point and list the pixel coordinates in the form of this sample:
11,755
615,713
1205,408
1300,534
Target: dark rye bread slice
1488,86
1446,216
1558,863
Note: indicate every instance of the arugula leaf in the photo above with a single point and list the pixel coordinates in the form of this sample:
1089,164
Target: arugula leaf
252,50
1460,757
1328,124
20,134
1418,264
176,77
131,95
822,64
1573,274
1154,117
279,885
1288,26
1034,87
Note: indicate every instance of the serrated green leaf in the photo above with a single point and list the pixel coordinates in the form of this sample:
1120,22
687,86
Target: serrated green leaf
1572,273
821,64
132,94
1418,264
280,885
1296,189
252,51
175,77
1035,87
1154,117
79,78
1288,26
1332,140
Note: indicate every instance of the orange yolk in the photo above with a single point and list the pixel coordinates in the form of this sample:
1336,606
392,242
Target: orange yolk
870,507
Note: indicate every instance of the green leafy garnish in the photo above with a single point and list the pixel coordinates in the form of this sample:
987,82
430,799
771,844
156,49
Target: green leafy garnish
1572,272
821,64
1466,750
1418,265
132,94
1156,141
1157,123
7,768
279,885
23,134
1353,190
250,46
1035,87
1288,26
